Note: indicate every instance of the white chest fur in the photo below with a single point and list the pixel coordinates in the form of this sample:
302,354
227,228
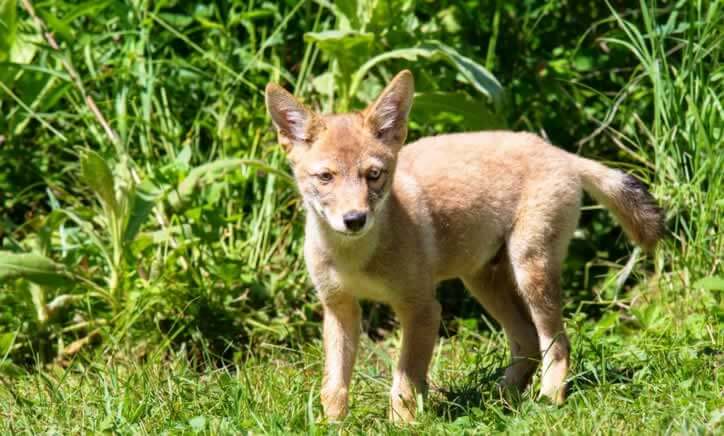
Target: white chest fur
330,279
363,285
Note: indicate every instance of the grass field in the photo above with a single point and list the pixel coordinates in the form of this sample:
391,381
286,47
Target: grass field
662,378
151,277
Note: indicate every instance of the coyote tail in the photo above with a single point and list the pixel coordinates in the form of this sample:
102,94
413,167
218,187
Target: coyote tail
627,198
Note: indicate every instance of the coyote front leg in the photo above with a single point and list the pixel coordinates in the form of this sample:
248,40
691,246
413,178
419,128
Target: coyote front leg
420,323
341,336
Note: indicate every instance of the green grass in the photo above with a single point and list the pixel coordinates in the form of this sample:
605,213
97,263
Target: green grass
661,375
151,276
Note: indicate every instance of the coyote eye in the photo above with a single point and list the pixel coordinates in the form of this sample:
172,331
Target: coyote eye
325,177
374,174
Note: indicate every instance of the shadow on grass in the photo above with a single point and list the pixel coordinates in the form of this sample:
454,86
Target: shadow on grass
476,390
479,391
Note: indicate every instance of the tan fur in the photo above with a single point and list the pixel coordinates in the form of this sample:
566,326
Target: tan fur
496,209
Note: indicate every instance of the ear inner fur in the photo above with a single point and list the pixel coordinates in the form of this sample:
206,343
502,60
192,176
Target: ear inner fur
387,116
294,122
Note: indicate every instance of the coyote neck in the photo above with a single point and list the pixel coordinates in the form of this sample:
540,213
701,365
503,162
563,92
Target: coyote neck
349,253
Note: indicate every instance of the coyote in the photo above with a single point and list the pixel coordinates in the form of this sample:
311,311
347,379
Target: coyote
388,223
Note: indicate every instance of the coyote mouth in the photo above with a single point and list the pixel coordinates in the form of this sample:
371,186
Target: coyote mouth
350,235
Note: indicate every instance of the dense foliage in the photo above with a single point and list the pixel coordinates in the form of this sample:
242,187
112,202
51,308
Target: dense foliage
146,208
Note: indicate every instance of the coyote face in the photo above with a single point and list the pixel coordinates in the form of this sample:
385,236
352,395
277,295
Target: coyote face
344,163
345,175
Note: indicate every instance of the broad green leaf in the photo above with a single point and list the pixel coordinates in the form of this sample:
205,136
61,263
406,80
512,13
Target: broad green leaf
24,49
475,74
33,267
471,113
324,84
141,203
6,341
713,283
348,48
8,28
179,21
97,175
9,369
339,42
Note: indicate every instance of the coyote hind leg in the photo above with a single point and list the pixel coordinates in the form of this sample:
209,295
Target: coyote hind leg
494,287
536,248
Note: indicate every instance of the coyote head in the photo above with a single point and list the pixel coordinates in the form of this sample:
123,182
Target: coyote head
344,163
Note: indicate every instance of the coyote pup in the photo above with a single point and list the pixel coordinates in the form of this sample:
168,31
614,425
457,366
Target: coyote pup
387,223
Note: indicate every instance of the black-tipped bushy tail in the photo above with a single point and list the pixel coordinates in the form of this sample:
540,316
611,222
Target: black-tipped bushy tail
628,199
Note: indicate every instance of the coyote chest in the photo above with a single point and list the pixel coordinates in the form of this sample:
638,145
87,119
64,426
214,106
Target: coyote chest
361,284
331,278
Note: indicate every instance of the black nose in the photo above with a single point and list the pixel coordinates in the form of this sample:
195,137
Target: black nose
355,220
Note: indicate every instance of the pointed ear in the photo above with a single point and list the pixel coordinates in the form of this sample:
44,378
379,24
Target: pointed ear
387,116
295,124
